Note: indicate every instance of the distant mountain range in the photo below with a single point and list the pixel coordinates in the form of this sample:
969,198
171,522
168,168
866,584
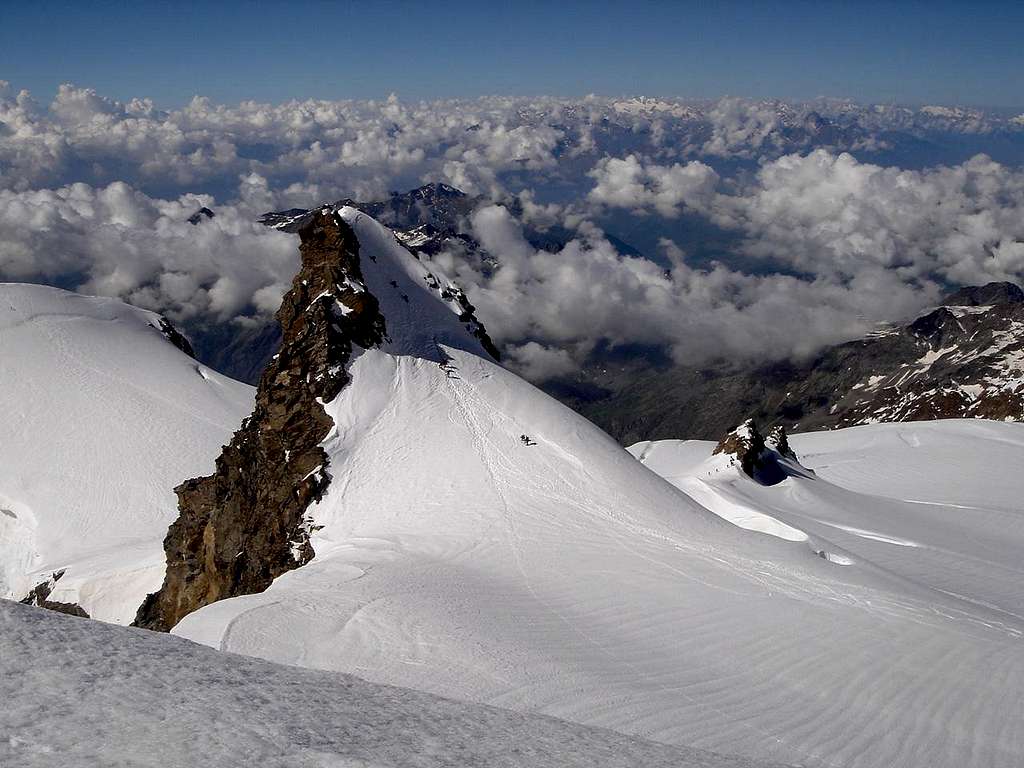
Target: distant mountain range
963,359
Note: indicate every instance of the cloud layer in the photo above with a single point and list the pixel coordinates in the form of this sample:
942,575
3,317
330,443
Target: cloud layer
852,243
116,241
95,194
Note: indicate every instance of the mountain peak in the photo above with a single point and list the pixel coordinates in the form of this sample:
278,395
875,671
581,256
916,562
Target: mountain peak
358,288
244,525
985,295
432,190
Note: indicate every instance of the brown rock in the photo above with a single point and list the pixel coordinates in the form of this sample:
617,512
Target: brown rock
745,444
244,525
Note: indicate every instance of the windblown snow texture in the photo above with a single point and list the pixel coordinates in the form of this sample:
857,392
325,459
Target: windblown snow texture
84,694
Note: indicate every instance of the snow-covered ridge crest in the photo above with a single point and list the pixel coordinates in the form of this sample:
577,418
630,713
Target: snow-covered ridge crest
421,306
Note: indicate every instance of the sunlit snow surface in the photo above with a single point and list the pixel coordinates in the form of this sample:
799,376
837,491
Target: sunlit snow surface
567,578
79,693
102,416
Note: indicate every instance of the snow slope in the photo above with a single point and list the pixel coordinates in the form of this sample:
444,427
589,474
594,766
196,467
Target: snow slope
936,503
80,693
564,577
100,417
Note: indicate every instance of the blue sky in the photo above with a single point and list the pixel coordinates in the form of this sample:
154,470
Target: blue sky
910,52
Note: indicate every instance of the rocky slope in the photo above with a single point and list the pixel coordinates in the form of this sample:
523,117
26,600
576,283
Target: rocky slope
963,359
426,220
244,525
758,456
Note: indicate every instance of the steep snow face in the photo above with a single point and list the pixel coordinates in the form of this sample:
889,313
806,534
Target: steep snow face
481,541
247,523
101,417
423,310
86,694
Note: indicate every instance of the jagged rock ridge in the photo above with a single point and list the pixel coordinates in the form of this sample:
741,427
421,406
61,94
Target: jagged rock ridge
176,337
246,524
202,213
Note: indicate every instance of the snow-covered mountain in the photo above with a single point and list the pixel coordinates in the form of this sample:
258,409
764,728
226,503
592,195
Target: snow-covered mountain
103,413
400,507
473,538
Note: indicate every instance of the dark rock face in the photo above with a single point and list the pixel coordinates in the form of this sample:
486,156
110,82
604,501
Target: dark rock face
433,209
176,337
202,213
467,316
246,524
746,445
39,596
761,458
778,441
986,295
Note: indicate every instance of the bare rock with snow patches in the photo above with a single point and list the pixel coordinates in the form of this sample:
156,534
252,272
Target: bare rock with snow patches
244,525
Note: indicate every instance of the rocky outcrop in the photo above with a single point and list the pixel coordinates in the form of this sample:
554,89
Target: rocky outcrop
176,337
244,525
768,460
40,596
778,441
745,445
202,213
990,294
466,312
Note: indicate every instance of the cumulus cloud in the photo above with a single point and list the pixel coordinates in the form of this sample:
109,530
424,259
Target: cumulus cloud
95,194
539,363
117,241
565,302
832,216
741,128
823,212
628,183
360,149
367,148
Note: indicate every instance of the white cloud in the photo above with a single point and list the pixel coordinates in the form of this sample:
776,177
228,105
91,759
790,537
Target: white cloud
116,241
95,193
539,363
586,292
628,183
367,148
828,215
